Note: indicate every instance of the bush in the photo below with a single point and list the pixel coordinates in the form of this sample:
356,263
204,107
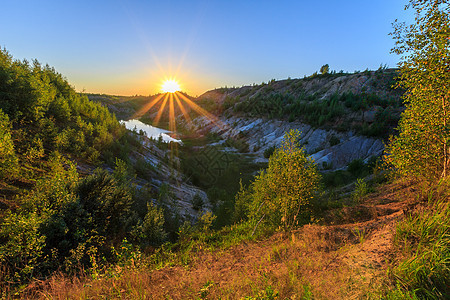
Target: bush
358,168
8,158
107,202
360,191
334,140
269,151
282,193
324,69
151,232
31,236
197,202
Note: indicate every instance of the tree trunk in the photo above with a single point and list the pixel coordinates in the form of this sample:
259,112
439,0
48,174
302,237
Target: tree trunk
445,158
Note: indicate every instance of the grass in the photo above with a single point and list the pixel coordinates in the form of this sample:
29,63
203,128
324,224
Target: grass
241,271
314,262
218,173
423,240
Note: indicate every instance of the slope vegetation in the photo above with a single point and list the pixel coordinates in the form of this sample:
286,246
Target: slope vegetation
346,260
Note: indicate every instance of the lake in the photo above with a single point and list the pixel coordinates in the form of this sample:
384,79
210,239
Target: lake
150,131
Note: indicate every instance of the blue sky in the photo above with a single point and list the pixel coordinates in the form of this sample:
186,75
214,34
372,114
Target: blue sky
129,47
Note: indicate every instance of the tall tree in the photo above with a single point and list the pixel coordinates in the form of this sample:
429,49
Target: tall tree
421,150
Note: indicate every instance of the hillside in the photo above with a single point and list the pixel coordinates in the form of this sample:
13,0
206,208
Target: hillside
342,117
74,183
337,101
276,191
342,261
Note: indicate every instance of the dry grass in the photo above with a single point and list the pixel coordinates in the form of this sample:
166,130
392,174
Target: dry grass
345,261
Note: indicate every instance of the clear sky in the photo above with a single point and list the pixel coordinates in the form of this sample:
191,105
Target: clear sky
128,47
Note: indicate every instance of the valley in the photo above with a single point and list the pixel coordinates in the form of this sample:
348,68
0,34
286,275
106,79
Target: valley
330,186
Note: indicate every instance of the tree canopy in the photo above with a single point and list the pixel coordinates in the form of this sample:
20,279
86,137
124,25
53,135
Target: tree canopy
324,69
421,150
281,194
51,113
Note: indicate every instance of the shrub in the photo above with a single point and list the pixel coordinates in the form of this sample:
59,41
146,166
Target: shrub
269,151
151,232
358,168
8,158
197,202
31,236
107,203
22,253
360,190
282,193
334,140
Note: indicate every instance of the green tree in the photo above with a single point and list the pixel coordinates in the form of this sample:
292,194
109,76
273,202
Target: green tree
282,193
8,158
325,69
107,201
151,231
421,150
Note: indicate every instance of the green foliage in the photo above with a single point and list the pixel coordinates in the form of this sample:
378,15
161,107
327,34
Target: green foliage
65,223
313,110
121,171
218,173
424,239
282,193
269,151
23,249
29,234
337,178
240,144
360,191
8,159
197,202
358,168
151,232
52,114
241,207
107,202
421,148
334,140
324,69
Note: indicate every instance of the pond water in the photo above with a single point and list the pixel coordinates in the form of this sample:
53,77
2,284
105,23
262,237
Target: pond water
150,131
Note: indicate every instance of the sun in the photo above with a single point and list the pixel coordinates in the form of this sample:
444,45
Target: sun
170,86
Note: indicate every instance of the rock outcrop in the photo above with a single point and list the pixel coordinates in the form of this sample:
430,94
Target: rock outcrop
329,148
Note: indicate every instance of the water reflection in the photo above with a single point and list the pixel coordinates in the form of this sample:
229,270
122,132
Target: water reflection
150,131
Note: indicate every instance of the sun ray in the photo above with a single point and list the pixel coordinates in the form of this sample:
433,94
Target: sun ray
202,111
172,125
183,110
161,109
147,107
